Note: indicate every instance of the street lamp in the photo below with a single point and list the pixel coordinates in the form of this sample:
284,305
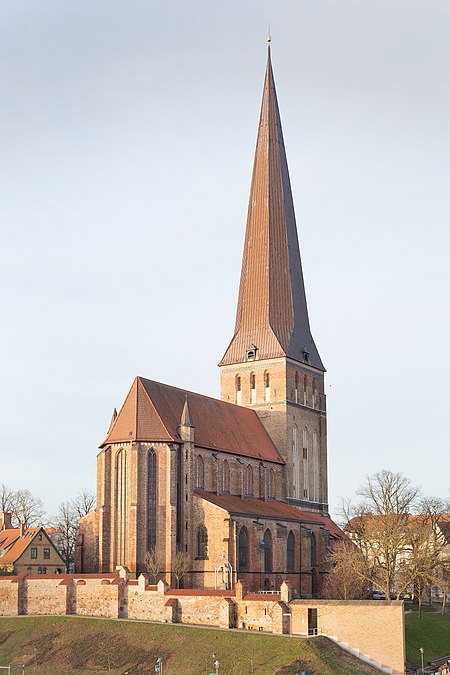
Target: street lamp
421,656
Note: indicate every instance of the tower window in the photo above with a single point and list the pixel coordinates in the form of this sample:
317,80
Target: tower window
238,390
313,393
252,388
296,387
305,387
267,386
305,355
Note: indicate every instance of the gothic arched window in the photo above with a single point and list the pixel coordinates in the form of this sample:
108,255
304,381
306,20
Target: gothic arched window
202,542
262,482
249,480
313,549
238,390
120,503
291,552
226,476
199,472
268,564
151,500
296,387
243,549
252,388
271,484
305,387
267,386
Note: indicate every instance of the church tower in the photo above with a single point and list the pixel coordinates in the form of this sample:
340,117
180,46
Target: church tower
272,364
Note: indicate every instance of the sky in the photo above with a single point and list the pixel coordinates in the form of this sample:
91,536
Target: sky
126,146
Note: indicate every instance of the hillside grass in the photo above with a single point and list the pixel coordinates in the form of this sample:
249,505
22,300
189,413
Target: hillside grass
431,631
75,646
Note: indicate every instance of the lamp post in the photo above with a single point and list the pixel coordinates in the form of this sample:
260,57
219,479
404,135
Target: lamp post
421,656
216,664
159,666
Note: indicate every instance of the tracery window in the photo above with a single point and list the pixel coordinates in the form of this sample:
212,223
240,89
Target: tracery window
199,473
202,542
267,386
151,500
243,549
249,480
291,552
268,557
313,549
121,507
226,476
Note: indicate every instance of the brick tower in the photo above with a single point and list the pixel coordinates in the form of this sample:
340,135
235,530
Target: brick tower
272,364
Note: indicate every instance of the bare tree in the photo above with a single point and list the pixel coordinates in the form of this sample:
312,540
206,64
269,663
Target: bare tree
348,579
66,524
153,565
26,509
83,503
379,525
6,498
180,565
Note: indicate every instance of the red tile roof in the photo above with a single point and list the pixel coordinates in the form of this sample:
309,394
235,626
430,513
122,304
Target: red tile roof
13,544
152,412
274,510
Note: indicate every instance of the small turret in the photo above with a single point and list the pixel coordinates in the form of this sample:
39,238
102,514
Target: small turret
187,426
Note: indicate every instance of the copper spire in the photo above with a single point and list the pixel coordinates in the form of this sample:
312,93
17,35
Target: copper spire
272,313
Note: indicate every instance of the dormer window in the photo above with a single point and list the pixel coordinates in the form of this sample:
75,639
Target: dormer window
251,353
305,355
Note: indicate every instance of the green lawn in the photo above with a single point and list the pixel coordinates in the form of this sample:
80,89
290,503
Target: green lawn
432,632
74,646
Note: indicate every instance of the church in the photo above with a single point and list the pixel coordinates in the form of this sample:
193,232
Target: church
236,487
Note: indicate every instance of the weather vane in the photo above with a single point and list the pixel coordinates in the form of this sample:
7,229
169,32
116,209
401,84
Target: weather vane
269,37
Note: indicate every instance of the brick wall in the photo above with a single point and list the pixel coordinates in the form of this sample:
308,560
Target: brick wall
376,629
9,596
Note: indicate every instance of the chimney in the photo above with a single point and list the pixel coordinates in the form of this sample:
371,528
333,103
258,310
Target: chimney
21,529
5,520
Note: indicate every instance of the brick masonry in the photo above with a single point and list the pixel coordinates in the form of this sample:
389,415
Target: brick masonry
375,629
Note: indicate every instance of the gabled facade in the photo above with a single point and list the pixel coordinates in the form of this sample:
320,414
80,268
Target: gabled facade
27,550
237,485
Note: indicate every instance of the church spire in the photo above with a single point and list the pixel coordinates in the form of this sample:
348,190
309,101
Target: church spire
272,315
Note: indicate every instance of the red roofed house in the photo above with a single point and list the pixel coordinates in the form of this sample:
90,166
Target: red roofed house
238,484
27,549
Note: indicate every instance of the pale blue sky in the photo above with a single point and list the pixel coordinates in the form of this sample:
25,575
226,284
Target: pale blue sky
126,145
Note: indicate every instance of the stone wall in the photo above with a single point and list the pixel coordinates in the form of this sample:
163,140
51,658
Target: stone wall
375,629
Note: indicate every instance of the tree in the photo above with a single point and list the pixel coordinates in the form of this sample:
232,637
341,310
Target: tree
83,503
23,507
153,565
66,524
379,526
180,565
346,581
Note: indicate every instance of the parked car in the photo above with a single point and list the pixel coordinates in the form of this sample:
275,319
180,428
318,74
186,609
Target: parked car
378,595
